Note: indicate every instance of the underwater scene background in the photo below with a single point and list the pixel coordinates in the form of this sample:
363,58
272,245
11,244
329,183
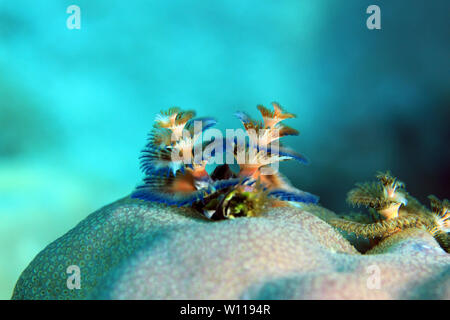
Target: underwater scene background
76,105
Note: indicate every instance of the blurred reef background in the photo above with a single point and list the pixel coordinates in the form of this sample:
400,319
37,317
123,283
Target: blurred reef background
76,105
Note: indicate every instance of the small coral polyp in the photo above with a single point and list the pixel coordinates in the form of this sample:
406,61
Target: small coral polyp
397,209
175,172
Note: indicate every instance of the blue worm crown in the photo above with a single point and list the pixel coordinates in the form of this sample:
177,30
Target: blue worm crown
186,183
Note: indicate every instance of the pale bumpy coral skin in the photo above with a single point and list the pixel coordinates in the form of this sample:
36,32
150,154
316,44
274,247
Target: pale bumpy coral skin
140,250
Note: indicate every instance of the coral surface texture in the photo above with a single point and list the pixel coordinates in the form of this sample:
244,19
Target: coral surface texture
133,249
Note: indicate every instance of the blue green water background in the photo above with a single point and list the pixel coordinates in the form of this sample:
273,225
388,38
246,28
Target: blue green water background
76,105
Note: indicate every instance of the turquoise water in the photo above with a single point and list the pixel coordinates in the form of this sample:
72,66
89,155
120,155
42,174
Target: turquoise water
76,105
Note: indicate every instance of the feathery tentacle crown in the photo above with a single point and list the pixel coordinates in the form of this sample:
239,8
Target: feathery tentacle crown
385,196
388,197
175,174
441,215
